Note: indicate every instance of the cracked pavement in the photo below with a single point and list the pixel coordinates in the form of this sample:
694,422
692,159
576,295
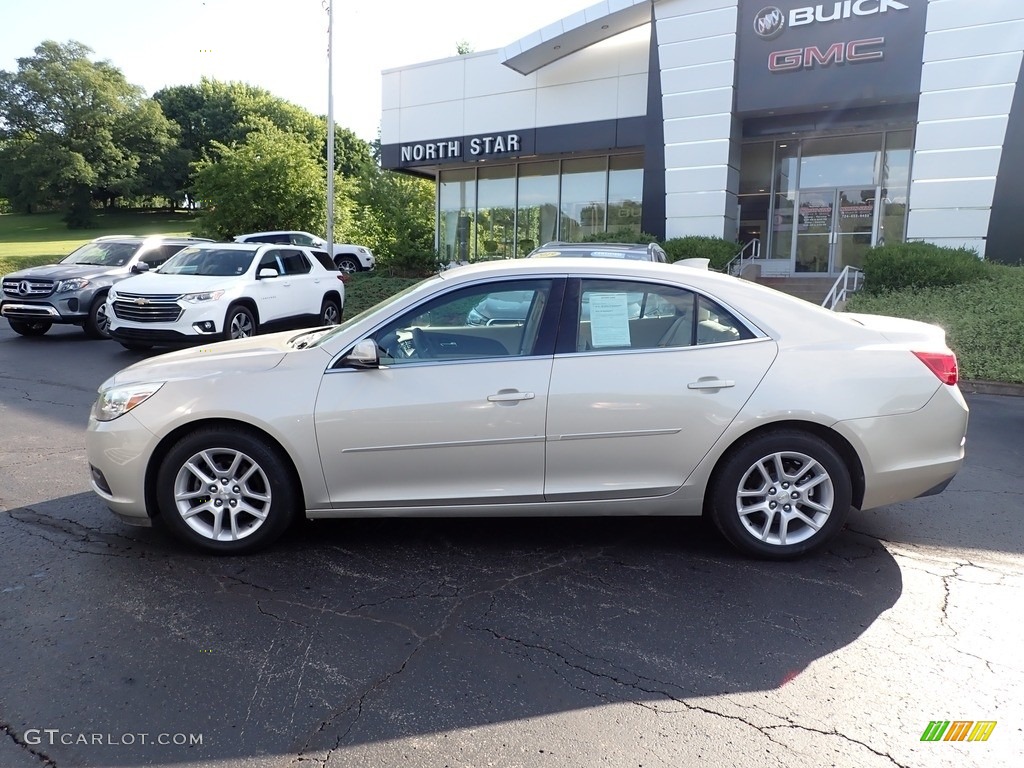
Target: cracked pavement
577,642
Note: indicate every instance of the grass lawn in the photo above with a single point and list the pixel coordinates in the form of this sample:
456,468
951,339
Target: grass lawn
43,238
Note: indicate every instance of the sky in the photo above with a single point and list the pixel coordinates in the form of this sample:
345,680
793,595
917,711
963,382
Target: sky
278,45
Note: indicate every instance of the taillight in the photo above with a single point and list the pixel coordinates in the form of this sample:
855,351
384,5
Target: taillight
942,364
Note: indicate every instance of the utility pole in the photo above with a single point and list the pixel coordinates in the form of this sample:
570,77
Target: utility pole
330,126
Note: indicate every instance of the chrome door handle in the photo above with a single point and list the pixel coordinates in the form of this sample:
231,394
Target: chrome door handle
711,384
510,396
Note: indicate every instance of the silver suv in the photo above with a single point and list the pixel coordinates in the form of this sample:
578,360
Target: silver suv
74,290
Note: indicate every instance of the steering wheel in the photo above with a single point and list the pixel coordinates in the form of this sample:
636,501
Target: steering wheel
422,343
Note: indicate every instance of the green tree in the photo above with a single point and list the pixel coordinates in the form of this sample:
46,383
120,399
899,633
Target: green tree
393,215
271,180
73,129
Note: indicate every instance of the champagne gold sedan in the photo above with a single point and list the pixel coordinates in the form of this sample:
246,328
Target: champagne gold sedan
677,392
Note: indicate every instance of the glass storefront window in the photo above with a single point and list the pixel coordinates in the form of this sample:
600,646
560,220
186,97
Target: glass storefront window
537,219
584,192
842,161
892,224
625,192
456,204
781,242
496,212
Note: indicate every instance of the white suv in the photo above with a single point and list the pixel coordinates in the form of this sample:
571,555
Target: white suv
226,291
348,257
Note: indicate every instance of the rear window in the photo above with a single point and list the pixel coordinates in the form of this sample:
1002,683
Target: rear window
599,253
325,261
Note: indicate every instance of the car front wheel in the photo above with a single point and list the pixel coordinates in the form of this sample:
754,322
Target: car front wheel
97,325
30,327
239,323
347,264
781,494
226,490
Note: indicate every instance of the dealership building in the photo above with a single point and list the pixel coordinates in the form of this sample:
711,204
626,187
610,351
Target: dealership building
811,131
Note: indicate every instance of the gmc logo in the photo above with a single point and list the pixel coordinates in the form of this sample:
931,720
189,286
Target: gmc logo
853,52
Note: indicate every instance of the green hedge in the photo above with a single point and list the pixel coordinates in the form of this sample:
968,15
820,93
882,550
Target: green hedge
718,249
915,266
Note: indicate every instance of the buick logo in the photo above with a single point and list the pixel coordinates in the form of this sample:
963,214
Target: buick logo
24,288
769,23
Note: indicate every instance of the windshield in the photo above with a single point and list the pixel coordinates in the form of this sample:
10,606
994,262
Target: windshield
379,305
102,254
214,262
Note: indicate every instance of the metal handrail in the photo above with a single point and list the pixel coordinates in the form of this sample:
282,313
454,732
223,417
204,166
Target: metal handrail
850,280
738,262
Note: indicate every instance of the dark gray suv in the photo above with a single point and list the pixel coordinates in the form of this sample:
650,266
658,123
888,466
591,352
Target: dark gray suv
74,290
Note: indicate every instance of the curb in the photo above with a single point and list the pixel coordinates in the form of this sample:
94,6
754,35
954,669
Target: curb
991,388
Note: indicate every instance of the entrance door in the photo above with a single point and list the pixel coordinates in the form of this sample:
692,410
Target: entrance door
833,228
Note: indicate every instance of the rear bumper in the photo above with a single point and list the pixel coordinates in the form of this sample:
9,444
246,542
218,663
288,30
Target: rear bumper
911,454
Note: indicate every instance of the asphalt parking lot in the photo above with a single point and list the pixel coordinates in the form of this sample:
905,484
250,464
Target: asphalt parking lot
494,642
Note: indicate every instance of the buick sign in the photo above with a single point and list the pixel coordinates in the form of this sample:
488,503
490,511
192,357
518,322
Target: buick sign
769,23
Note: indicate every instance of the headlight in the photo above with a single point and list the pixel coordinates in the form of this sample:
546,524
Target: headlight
74,284
112,295
195,298
117,401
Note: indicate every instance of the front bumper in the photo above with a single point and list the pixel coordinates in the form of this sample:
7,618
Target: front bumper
65,311
196,324
118,452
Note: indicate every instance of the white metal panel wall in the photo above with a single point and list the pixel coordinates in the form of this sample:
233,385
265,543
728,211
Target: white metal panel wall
476,94
972,54
697,53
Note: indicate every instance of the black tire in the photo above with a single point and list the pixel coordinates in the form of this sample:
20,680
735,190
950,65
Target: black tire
135,346
348,264
30,327
239,323
250,476
97,324
330,312
780,495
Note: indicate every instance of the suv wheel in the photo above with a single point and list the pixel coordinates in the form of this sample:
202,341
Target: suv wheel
239,323
347,264
97,325
30,327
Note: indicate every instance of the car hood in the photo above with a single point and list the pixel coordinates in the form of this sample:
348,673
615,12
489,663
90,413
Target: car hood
65,271
900,330
176,284
239,357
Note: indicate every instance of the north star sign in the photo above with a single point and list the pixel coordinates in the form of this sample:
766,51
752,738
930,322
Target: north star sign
470,148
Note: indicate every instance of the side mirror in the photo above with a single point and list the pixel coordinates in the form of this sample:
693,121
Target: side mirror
265,273
364,355
139,267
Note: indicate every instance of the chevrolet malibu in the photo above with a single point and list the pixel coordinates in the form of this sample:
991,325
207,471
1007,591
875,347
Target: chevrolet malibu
714,396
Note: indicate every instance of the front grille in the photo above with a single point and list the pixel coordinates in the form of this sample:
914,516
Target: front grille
147,308
28,287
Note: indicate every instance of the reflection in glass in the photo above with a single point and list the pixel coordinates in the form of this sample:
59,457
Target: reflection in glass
892,225
496,212
625,192
841,161
456,203
584,192
537,220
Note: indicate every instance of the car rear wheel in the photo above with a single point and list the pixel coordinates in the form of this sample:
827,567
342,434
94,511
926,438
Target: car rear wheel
97,324
30,327
239,323
226,490
781,494
347,264
330,312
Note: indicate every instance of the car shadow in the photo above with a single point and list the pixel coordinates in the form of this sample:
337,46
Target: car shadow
361,632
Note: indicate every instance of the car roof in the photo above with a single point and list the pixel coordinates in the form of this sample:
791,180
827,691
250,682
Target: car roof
150,238
595,249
